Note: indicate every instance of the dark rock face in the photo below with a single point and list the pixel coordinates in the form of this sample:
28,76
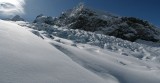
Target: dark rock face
127,28
84,18
134,29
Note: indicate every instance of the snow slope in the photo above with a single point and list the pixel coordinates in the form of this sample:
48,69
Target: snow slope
25,58
55,58
116,63
112,66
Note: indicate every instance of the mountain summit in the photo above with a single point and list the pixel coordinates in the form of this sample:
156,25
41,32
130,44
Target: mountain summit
127,28
17,18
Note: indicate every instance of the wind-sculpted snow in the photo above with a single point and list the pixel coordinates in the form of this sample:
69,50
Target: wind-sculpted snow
93,59
111,43
25,58
110,66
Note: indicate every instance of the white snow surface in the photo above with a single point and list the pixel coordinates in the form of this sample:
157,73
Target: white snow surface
72,56
25,58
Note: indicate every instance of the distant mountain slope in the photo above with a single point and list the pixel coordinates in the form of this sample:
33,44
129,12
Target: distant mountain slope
84,18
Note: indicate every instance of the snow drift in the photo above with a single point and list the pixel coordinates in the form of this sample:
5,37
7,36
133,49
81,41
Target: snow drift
118,62
25,58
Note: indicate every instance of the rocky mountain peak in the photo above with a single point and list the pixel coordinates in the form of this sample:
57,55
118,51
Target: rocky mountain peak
17,18
88,19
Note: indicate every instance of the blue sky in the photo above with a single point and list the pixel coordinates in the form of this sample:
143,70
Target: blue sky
144,9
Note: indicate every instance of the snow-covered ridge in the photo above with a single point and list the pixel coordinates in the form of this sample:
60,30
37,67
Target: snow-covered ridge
127,48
